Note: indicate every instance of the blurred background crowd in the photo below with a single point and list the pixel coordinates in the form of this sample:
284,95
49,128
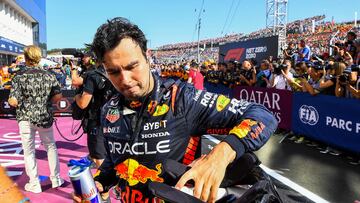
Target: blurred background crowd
321,57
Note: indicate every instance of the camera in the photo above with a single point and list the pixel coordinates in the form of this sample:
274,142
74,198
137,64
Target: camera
301,75
355,68
339,44
329,66
278,68
343,78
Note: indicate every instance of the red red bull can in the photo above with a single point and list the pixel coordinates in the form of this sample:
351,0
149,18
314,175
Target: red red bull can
84,185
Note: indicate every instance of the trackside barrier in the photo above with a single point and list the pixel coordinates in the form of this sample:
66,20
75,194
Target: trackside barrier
334,121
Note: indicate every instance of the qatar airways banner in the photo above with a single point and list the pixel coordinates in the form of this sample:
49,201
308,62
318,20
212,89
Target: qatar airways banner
279,102
257,49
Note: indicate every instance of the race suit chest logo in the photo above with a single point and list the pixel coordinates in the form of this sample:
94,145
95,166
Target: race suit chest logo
134,172
139,148
222,102
155,125
208,99
161,110
109,129
112,115
238,106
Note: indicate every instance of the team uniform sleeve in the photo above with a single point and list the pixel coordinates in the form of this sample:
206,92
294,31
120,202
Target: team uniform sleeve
106,174
251,125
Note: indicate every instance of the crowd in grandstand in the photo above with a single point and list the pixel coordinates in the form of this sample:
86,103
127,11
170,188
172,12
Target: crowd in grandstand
319,41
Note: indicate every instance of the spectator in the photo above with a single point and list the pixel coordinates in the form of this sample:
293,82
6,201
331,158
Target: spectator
31,93
348,84
300,72
263,77
312,86
328,81
304,51
281,77
290,52
195,76
350,44
5,76
357,58
248,74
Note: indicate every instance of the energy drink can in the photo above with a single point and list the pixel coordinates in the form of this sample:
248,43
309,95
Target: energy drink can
84,185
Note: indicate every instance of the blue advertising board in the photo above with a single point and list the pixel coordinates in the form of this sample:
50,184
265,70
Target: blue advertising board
11,46
329,119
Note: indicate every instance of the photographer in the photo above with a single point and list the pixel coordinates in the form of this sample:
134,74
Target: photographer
290,52
300,72
357,58
78,74
248,74
330,72
347,84
281,77
312,86
95,91
350,44
262,78
91,96
342,55
227,74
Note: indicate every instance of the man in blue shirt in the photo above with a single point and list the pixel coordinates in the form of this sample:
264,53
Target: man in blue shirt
304,52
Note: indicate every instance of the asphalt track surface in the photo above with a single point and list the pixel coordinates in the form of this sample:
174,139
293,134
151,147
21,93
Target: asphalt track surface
301,173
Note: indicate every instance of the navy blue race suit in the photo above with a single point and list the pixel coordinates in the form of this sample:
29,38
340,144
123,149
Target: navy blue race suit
139,137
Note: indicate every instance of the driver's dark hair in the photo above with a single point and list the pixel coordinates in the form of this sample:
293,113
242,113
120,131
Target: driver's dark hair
109,35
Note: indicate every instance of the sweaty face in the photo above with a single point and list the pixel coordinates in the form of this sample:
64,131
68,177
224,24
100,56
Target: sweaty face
128,70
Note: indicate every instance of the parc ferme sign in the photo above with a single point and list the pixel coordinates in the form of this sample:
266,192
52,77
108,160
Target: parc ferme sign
329,119
279,102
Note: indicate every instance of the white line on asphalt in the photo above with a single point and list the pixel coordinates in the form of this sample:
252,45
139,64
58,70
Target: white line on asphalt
313,197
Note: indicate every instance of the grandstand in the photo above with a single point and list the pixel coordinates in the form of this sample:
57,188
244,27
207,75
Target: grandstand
318,38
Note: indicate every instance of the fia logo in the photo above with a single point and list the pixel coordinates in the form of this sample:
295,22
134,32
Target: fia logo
308,115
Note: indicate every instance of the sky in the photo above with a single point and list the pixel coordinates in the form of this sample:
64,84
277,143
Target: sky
71,23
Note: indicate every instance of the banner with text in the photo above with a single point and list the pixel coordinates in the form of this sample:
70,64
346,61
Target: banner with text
277,101
11,46
257,49
329,119
61,108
